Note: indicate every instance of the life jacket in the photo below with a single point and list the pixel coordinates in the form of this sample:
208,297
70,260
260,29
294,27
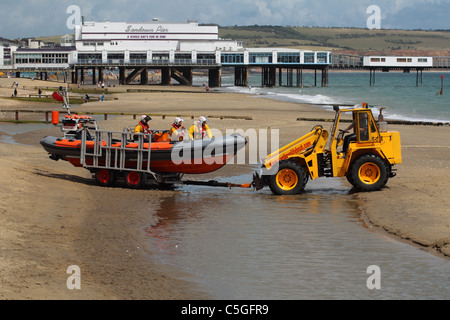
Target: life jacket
145,127
180,133
199,131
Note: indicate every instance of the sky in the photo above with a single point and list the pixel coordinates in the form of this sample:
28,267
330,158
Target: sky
34,18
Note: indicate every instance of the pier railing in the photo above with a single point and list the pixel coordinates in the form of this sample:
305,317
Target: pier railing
145,62
441,62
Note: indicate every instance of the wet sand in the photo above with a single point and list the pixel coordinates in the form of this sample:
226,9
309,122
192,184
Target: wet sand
52,215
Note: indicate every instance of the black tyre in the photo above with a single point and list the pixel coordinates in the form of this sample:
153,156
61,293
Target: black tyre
289,179
104,177
368,173
135,180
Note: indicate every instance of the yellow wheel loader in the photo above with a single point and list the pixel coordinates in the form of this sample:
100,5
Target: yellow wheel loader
366,157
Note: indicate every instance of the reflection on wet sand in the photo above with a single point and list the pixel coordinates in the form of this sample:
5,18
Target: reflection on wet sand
242,244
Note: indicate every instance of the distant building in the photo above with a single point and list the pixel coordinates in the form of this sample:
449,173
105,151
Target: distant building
47,58
68,40
6,56
397,62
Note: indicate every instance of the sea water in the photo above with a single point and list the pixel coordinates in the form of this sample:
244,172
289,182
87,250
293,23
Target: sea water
242,244
396,91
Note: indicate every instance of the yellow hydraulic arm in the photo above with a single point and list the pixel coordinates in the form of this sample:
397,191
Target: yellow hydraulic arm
303,147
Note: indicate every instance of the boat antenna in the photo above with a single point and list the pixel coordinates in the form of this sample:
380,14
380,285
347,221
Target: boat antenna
65,97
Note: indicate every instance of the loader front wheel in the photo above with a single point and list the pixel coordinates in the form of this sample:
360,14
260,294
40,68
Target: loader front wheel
368,173
289,179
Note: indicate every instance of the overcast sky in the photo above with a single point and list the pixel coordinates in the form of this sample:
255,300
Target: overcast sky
31,18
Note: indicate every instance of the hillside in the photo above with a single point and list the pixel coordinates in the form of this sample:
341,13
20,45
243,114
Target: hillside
342,40
346,40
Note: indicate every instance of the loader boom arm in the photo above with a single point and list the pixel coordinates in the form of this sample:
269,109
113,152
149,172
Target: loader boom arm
301,147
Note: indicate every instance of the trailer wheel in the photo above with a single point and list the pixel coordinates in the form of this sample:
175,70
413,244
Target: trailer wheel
104,177
134,180
289,179
368,173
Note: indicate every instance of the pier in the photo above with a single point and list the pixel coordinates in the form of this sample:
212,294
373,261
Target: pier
303,68
389,63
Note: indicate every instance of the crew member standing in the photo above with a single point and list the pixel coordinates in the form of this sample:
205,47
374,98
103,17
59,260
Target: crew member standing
178,132
200,130
143,127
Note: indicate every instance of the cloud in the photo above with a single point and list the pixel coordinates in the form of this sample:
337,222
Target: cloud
24,18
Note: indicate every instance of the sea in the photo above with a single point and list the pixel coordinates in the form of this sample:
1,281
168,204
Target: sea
399,92
240,244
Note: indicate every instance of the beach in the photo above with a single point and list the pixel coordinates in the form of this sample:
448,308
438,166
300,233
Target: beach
53,215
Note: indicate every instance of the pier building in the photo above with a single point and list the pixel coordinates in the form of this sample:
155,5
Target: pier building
404,63
176,49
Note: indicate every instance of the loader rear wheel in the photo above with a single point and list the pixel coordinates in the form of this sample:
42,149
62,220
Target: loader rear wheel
368,173
104,177
289,179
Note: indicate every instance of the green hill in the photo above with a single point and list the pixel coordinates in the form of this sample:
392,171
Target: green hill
344,40
349,40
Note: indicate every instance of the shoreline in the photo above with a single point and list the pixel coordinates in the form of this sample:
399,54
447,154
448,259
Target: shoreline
412,208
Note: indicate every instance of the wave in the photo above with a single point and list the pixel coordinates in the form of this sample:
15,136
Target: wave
327,102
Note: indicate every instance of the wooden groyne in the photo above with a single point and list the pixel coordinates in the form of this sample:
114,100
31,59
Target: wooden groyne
402,122
16,115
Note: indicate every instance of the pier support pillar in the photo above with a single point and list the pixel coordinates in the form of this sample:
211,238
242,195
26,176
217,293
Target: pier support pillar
269,76
122,75
215,77
289,77
182,75
94,79
280,77
82,75
372,77
324,77
419,77
187,75
144,76
241,76
100,74
299,78
166,75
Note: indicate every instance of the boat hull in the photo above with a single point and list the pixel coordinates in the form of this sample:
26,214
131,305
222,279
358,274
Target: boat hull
193,157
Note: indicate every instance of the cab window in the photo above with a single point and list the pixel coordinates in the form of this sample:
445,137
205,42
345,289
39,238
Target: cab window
363,126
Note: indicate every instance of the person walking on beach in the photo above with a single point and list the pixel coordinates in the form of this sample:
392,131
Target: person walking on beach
15,92
200,130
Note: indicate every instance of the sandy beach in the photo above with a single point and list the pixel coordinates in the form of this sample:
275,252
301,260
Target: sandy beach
53,215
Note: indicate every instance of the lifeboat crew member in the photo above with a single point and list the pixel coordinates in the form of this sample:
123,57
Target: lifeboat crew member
200,130
178,132
143,127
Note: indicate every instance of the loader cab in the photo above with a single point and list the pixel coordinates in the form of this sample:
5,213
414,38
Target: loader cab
366,128
347,144
363,132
